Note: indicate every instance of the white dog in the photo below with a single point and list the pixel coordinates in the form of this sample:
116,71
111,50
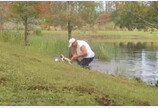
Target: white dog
63,58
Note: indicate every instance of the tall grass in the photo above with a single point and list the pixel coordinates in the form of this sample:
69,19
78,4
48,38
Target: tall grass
12,37
104,51
55,42
50,45
54,45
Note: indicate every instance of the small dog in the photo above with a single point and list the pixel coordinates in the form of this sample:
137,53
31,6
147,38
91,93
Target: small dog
63,58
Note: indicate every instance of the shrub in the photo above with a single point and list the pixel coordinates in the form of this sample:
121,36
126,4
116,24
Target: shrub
38,32
11,36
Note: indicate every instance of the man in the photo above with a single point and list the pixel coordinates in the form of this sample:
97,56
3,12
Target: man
81,51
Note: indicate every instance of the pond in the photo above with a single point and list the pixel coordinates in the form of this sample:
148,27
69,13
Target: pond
139,63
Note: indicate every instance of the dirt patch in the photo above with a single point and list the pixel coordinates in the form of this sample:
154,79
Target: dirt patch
85,89
105,101
138,79
137,37
81,89
119,80
3,80
39,87
2,69
145,103
140,103
16,55
93,37
35,59
67,88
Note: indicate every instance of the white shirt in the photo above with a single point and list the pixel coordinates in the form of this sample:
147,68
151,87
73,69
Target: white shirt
80,43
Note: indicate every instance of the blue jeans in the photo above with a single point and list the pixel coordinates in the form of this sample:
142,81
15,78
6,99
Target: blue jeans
85,62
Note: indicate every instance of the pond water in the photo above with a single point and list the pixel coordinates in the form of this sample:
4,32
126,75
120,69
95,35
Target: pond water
141,63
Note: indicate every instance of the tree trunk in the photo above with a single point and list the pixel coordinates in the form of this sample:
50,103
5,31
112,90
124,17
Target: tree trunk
69,30
26,33
69,27
1,24
69,37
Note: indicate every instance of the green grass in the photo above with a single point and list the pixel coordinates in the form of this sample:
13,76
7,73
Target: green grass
25,69
29,77
102,42
104,51
49,45
55,46
12,37
109,36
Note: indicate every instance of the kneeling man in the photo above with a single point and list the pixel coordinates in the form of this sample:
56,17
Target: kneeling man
81,51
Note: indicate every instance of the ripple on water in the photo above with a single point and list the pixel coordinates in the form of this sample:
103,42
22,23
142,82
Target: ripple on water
142,64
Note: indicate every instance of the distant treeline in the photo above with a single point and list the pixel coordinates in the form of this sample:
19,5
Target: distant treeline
78,15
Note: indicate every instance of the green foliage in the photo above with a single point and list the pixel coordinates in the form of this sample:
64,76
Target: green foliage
88,11
21,10
37,32
140,15
24,12
11,36
3,13
79,13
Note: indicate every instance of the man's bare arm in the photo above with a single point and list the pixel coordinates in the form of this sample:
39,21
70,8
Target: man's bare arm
75,51
84,52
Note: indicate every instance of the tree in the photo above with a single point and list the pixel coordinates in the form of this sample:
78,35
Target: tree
24,12
109,6
44,9
140,15
104,18
4,11
74,14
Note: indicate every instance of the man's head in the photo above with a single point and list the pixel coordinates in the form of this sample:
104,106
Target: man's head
72,42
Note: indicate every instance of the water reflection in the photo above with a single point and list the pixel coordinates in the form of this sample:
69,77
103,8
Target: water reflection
139,62
149,67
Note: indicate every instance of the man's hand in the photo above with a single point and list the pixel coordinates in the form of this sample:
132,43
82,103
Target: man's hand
84,53
74,57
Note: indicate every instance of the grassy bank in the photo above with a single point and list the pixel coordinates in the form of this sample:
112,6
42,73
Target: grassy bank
104,43
29,77
48,44
55,43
